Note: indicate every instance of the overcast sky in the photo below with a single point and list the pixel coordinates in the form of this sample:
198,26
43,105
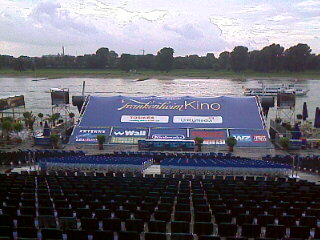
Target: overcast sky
35,28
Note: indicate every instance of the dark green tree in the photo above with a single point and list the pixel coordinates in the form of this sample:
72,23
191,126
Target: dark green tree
18,65
271,58
112,59
210,62
297,57
103,56
239,59
127,62
145,61
165,59
224,60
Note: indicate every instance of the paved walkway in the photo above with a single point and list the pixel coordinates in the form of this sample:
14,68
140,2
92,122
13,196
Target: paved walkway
309,177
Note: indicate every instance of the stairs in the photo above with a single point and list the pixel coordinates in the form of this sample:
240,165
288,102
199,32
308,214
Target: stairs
153,169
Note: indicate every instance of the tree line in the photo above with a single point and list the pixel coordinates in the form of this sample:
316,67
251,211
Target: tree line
272,58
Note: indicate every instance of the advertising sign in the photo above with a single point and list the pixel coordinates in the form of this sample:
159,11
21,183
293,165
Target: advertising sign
168,134
89,135
197,119
250,138
242,137
144,119
129,133
216,137
179,112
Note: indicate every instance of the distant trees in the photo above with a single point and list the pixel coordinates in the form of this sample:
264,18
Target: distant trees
224,61
239,59
127,62
165,59
146,61
297,57
18,64
106,58
271,58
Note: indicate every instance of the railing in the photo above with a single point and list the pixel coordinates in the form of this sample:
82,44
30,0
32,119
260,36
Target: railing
147,164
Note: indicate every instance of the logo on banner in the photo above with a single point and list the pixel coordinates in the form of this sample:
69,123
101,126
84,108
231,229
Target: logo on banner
259,138
167,136
144,119
88,135
242,138
93,131
197,119
208,134
169,105
214,141
130,133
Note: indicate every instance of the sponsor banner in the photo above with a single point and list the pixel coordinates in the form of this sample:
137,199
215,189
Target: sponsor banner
163,133
216,137
171,112
89,135
168,136
144,119
208,134
139,133
198,119
215,141
172,104
259,138
251,138
242,137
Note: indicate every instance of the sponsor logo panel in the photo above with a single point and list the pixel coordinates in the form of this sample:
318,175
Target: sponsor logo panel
259,138
198,119
144,119
242,137
215,141
89,135
129,133
168,104
168,136
209,134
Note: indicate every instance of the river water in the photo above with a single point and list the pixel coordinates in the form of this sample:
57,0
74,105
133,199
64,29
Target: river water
37,93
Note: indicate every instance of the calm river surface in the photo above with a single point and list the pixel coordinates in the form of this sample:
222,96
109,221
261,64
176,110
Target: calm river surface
37,93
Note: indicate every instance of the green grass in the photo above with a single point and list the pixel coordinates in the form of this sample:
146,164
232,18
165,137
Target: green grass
59,73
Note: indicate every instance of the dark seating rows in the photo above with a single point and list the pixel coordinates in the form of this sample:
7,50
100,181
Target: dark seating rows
25,156
130,207
309,162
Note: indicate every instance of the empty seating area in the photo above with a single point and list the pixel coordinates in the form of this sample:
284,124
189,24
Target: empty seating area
26,156
309,162
129,207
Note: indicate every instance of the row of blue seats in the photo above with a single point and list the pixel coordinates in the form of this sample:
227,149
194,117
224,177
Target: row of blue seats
168,161
178,154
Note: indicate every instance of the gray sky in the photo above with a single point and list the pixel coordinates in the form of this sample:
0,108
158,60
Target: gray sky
35,28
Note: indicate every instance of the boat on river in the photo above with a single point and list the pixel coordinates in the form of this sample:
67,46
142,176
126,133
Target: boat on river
273,90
